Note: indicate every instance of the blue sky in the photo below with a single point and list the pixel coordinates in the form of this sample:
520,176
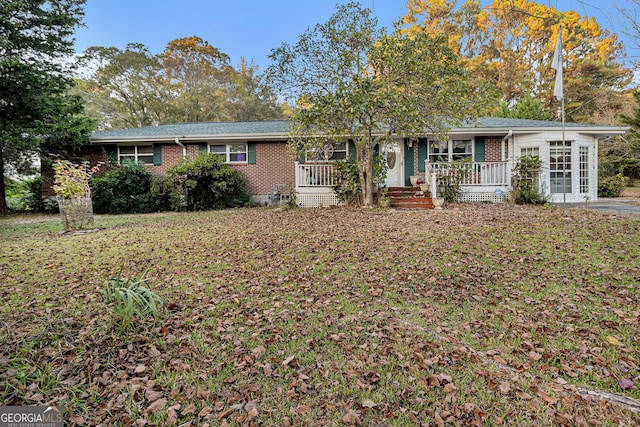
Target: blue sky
249,28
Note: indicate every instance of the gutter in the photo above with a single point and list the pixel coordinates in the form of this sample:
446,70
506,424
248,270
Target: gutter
184,149
502,144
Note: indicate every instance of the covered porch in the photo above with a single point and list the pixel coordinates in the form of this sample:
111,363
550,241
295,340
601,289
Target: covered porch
481,181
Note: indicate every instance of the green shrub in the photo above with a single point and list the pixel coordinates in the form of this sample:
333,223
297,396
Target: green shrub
123,189
205,182
161,192
612,186
450,182
347,180
525,179
26,196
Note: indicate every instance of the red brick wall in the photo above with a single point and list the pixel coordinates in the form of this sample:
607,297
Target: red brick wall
273,165
492,149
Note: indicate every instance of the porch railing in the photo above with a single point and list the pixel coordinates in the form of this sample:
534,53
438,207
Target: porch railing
474,174
314,175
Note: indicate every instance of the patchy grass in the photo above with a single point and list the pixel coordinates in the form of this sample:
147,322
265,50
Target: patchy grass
481,315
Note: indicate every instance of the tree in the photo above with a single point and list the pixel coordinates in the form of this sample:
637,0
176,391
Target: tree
126,88
528,108
190,81
250,98
38,114
511,43
349,80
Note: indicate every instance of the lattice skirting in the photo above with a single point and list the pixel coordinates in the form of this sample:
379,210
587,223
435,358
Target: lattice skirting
485,197
317,200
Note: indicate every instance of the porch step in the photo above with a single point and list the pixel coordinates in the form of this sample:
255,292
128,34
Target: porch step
411,203
408,198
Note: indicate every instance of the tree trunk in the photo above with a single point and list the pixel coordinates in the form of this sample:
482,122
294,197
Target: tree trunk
3,195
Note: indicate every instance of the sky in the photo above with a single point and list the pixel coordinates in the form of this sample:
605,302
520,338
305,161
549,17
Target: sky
251,28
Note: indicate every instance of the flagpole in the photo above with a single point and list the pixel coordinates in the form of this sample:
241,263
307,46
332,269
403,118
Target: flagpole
558,92
564,162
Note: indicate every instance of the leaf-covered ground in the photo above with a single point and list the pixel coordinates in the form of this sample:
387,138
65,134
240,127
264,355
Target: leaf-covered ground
477,315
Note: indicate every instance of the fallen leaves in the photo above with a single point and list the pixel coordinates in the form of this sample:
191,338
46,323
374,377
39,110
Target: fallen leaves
325,317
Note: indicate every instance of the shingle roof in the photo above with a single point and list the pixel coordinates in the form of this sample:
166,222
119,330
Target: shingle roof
279,129
179,130
501,122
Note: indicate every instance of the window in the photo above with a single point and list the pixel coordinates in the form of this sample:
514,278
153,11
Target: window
530,151
330,151
457,149
136,153
232,153
584,170
560,166
438,151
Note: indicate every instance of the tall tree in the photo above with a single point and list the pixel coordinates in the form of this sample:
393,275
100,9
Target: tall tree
250,97
528,108
126,88
38,114
511,43
196,70
190,81
348,80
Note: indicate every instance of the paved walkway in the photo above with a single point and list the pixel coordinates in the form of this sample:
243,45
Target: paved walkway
618,204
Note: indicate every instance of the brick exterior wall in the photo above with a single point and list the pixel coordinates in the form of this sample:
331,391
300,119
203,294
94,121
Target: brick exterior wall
492,149
273,165
92,154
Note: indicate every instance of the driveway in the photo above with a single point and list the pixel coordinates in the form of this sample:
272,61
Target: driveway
616,205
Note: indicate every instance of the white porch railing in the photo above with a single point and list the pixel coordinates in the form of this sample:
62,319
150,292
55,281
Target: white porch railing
314,175
476,173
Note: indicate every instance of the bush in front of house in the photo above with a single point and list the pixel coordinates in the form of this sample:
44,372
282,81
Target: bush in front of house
123,189
612,186
205,182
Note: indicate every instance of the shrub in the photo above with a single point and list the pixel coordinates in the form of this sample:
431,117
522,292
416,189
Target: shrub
161,192
450,182
205,182
525,179
124,189
612,186
347,180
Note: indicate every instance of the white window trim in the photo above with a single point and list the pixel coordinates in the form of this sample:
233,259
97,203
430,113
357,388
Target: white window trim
574,165
227,153
450,152
136,155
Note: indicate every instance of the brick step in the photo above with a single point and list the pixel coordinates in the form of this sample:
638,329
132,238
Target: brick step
411,203
403,192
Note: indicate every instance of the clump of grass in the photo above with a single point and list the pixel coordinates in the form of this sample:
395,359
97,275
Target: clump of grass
130,299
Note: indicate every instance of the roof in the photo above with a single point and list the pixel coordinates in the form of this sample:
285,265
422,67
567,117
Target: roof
193,131
277,130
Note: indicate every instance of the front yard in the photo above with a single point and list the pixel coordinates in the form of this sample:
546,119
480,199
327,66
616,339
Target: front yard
479,315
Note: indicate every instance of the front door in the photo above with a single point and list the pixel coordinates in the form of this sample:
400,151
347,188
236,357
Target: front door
394,158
